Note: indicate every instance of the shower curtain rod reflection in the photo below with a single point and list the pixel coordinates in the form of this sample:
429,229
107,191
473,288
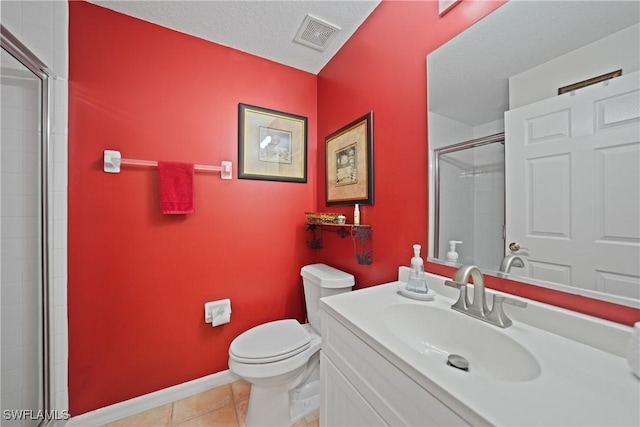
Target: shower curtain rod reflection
113,160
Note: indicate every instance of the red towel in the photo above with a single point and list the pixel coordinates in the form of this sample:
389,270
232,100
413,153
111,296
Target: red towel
177,192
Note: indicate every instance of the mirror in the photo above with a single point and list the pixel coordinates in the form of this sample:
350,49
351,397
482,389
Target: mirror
515,58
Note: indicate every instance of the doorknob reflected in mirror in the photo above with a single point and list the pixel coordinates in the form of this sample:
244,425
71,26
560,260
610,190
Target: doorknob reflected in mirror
515,247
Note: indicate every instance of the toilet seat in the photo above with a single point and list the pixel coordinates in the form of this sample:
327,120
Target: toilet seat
270,342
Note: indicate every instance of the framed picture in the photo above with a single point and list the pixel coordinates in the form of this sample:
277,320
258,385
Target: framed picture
272,145
349,163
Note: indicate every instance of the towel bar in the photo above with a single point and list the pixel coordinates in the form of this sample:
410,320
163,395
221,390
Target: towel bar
113,160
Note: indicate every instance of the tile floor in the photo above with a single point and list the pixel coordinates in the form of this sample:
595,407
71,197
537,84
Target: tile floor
224,406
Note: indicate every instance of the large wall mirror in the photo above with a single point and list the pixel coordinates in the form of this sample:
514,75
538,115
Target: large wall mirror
540,184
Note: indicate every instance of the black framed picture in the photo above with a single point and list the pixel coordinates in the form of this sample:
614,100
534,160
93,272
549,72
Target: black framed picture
272,145
349,163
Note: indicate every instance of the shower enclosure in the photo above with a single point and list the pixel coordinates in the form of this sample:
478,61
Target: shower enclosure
24,183
469,201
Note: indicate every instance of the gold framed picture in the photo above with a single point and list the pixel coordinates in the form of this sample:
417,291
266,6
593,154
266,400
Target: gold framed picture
272,145
349,163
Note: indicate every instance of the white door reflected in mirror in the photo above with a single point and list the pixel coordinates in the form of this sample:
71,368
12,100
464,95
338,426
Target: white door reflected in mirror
577,157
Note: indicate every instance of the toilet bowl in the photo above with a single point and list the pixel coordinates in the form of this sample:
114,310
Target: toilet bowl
281,359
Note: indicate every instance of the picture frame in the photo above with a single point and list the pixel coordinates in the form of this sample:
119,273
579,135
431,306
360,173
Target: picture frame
349,163
272,145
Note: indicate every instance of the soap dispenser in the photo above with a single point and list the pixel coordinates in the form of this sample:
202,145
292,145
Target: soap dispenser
417,281
452,255
416,262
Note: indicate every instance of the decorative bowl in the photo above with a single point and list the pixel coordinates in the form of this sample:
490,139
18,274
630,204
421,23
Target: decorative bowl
322,217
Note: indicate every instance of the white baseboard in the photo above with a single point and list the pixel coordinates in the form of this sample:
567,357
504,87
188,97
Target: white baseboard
149,401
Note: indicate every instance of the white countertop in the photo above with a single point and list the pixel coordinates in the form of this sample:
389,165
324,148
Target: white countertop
578,385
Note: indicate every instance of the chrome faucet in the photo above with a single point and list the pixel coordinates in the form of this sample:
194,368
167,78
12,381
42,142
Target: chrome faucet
511,261
478,307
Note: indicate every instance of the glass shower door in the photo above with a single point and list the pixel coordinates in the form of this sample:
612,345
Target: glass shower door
21,235
469,189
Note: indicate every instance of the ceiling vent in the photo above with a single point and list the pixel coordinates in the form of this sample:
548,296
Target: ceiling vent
316,33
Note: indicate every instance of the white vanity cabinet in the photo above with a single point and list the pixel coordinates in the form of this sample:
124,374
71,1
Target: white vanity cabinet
360,387
384,362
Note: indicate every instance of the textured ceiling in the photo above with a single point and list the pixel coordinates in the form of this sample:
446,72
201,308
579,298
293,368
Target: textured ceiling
264,28
468,76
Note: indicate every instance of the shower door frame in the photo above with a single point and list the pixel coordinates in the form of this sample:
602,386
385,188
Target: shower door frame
465,145
26,57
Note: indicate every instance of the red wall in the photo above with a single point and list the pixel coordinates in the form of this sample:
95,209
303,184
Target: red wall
138,279
383,68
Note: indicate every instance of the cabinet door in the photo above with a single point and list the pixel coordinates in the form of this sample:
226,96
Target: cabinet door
348,408
397,398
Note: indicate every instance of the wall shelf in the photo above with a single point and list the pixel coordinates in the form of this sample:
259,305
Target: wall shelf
362,236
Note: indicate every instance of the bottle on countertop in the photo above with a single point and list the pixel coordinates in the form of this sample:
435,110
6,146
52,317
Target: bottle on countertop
417,282
417,263
452,255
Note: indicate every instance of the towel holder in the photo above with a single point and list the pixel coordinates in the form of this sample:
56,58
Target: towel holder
113,160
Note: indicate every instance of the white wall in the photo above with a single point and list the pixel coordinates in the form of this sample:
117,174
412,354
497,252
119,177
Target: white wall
617,51
488,129
443,131
43,27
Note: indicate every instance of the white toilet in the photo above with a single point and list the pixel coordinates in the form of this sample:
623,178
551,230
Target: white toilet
281,359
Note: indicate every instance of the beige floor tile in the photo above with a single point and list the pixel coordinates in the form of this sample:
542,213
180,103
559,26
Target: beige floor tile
225,406
313,417
241,411
241,390
223,417
202,403
156,417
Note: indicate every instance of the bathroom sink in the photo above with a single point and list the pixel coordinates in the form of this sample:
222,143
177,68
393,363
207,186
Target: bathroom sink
437,333
574,378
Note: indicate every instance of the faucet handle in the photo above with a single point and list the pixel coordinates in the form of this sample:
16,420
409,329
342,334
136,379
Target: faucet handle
497,316
507,300
453,284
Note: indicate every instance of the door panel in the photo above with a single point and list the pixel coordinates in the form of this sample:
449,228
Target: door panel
573,187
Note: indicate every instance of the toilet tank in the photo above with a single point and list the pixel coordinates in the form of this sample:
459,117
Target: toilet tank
321,280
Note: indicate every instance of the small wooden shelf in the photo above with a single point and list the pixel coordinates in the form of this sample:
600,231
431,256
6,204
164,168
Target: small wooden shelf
338,225
362,235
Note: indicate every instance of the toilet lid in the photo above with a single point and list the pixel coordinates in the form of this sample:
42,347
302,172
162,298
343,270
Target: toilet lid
270,342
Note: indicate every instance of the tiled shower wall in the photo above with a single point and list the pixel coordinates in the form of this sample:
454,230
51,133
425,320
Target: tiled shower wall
20,224
43,27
